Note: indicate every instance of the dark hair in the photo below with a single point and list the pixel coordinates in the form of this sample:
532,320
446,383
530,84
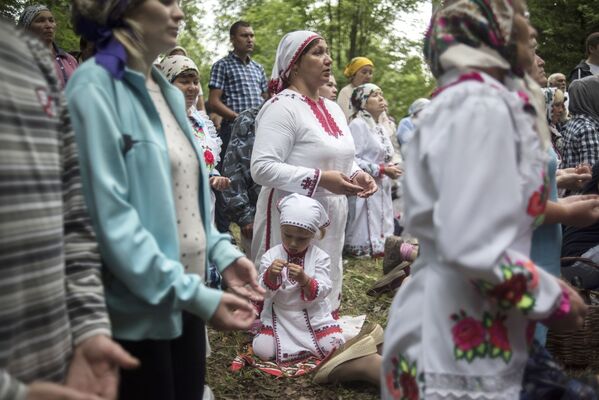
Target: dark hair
239,24
592,41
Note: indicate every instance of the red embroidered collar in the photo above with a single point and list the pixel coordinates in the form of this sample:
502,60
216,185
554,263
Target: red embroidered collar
323,116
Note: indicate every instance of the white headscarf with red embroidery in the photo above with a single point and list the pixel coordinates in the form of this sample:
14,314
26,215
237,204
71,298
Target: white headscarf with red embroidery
303,212
288,52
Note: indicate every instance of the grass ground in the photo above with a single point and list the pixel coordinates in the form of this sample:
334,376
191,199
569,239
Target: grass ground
251,384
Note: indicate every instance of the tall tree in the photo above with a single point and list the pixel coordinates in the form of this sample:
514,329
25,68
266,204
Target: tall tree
563,26
351,28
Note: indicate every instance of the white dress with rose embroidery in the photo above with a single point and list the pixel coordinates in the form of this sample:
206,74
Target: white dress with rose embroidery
297,324
296,139
475,187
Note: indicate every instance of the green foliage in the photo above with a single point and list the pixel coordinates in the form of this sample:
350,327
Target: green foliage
351,27
563,26
61,9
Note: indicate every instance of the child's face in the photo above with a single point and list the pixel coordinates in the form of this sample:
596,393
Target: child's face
295,239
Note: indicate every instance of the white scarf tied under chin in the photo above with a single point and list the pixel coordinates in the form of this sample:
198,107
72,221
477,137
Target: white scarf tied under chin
288,52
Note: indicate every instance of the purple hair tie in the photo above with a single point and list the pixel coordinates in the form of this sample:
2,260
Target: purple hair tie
110,53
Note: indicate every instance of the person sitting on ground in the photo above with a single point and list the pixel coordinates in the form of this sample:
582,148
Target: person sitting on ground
296,318
589,66
296,277
581,134
38,20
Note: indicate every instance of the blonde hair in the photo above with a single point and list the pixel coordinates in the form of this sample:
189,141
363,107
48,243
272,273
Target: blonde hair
130,35
560,98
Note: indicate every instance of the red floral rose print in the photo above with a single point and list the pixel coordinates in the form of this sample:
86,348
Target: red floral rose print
394,390
208,157
409,386
510,290
468,333
498,335
536,204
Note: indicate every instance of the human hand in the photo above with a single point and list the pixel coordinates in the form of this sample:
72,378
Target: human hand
338,183
95,366
216,120
581,213
573,320
572,180
297,272
247,230
233,313
577,197
242,279
367,183
392,171
276,268
584,169
53,391
219,183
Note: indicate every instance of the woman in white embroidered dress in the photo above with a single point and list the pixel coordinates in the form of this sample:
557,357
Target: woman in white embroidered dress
371,219
296,318
476,185
303,145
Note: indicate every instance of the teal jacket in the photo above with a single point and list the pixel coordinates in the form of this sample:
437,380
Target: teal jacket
127,184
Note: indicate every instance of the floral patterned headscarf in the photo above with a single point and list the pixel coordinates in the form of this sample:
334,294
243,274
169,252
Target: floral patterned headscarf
359,98
173,66
471,33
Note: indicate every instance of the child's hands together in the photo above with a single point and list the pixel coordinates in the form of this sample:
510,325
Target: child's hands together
275,269
297,272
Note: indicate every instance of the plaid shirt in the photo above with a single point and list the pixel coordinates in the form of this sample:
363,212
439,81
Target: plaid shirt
242,195
581,141
242,84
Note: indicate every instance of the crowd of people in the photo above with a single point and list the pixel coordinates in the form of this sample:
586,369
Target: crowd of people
120,182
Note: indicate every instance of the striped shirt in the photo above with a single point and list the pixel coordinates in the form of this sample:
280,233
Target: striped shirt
242,83
51,295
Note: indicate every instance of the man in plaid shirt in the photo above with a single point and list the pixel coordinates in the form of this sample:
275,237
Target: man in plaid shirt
236,81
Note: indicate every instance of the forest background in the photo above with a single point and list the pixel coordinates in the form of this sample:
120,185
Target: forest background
352,28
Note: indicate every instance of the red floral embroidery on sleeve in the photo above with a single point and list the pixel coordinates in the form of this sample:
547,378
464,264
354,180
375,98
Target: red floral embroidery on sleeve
309,184
401,379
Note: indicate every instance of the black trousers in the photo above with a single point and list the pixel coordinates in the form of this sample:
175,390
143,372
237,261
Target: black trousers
221,219
170,369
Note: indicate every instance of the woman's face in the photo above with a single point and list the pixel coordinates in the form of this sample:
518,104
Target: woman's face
329,89
314,67
295,239
364,75
159,21
189,83
523,35
557,111
44,26
375,104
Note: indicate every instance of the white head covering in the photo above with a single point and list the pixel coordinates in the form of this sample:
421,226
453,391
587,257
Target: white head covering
173,66
289,50
418,105
303,212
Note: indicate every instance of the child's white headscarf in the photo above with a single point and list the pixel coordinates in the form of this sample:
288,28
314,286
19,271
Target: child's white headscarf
303,212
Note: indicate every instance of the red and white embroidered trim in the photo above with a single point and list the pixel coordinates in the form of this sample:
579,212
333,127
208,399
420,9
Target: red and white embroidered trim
323,116
311,289
309,184
327,330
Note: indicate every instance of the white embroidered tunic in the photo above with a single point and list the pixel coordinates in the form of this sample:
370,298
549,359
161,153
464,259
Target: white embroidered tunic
371,219
476,186
298,320
296,139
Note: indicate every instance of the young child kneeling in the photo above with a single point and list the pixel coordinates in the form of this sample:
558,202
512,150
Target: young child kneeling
296,318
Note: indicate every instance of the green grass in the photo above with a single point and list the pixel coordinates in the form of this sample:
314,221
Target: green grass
249,383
